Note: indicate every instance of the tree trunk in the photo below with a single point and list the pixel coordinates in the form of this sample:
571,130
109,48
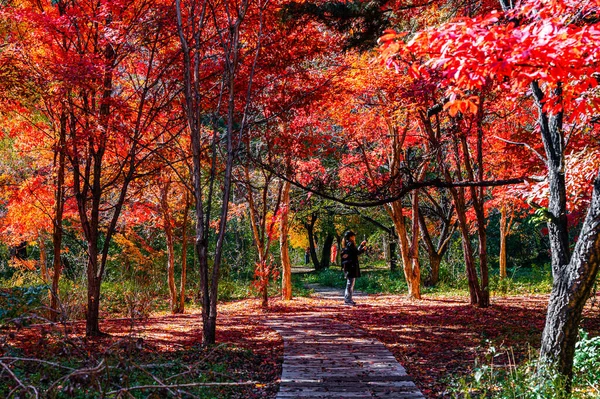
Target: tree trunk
393,262
43,259
171,270
310,230
505,226
326,252
184,239
571,290
92,326
474,290
57,225
286,265
434,260
415,282
574,276
338,256
410,262
168,228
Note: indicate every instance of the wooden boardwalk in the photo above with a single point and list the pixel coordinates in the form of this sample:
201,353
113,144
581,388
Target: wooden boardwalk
327,359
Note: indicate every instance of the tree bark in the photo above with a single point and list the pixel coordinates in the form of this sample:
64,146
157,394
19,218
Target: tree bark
574,276
184,243
410,260
468,254
506,221
310,230
92,323
286,265
326,252
168,229
571,289
43,259
57,225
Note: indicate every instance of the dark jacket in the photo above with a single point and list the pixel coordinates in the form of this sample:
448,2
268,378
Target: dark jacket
350,259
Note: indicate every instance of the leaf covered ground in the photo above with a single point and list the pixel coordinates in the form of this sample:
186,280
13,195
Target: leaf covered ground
436,339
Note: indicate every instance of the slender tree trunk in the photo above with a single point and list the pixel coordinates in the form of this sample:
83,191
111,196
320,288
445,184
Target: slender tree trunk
436,252
168,228
184,242
468,253
411,268
435,261
414,249
310,230
43,259
57,225
326,252
393,263
505,226
286,265
338,256
92,326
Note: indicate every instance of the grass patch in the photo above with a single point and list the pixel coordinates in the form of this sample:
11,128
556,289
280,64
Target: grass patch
371,281
380,280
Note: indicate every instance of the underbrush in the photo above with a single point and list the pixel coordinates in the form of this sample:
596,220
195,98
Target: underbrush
25,293
531,379
128,369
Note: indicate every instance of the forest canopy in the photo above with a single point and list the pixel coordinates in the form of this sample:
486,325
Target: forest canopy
197,150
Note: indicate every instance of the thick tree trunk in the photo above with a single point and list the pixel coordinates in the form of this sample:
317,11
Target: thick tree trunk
574,276
286,265
571,290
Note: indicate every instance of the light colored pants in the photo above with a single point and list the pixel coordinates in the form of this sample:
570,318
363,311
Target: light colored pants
349,290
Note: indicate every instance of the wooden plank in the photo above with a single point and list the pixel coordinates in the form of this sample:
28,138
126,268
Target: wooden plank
326,359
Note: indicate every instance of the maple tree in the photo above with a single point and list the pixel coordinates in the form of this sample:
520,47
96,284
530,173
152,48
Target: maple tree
37,201
109,79
131,114
545,49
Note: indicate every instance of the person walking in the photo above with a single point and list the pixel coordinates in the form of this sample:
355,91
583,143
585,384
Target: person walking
350,264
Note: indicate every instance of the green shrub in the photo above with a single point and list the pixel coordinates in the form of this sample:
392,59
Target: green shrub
18,301
531,379
586,364
234,289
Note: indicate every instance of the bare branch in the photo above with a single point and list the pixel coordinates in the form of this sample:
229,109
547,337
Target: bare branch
540,156
190,385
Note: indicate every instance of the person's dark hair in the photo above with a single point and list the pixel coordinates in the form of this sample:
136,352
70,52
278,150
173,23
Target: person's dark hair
349,234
